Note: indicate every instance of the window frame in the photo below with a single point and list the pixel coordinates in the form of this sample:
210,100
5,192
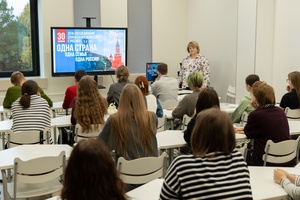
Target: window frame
34,22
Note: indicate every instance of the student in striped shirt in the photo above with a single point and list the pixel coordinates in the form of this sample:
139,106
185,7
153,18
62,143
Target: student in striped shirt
215,170
30,112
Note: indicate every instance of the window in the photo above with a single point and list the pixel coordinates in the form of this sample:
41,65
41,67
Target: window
19,41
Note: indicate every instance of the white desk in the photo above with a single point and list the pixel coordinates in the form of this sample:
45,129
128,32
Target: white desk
27,152
4,113
263,185
294,127
182,92
57,106
148,191
169,140
228,107
261,180
58,122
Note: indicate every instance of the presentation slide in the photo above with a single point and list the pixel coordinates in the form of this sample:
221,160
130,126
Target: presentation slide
90,49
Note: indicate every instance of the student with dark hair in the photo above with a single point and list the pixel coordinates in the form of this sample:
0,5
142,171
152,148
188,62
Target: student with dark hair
91,174
292,98
115,89
207,98
152,102
245,102
71,92
165,87
215,170
14,92
30,112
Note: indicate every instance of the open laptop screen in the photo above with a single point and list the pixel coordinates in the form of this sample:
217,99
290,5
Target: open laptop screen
151,71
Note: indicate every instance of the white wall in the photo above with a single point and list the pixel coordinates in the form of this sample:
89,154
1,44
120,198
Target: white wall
169,32
213,24
224,30
286,43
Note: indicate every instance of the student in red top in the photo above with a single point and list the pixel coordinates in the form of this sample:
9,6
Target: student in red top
71,91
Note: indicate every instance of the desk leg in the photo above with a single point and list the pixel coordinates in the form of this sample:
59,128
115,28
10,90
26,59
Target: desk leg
3,140
4,182
55,138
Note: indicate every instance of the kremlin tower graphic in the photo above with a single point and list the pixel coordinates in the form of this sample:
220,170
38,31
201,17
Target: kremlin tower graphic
116,60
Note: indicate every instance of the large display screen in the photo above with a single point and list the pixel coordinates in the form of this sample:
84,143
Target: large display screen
98,51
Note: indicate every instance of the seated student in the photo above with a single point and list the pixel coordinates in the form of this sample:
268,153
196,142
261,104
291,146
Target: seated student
245,102
89,107
152,102
115,89
91,174
289,182
266,122
14,92
188,103
30,112
131,132
292,98
165,87
71,92
215,170
207,98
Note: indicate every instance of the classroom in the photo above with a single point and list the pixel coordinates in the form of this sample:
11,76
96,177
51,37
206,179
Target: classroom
239,37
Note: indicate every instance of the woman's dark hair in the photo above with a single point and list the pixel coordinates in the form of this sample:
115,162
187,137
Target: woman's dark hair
251,79
91,174
213,132
29,88
207,98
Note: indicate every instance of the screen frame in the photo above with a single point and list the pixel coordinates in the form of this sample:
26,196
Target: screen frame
62,74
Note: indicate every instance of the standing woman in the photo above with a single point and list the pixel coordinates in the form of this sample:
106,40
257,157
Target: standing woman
194,61
115,89
131,131
292,98
30,112
89,107
152,102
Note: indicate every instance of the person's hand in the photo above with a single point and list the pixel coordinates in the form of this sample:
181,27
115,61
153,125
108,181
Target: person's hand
288,88
38,93
171,108
254,104
278,175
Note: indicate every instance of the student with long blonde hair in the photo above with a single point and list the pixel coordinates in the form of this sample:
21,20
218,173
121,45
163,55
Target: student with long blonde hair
89,107
131,131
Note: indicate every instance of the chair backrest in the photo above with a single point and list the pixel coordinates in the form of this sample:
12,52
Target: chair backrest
38,170
79,135
241,146
244,117
185,120
281,152
230,94
161,126
168,104
292,113
28,137
142,170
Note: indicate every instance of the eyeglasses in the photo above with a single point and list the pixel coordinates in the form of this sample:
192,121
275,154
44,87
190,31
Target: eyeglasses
287,80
